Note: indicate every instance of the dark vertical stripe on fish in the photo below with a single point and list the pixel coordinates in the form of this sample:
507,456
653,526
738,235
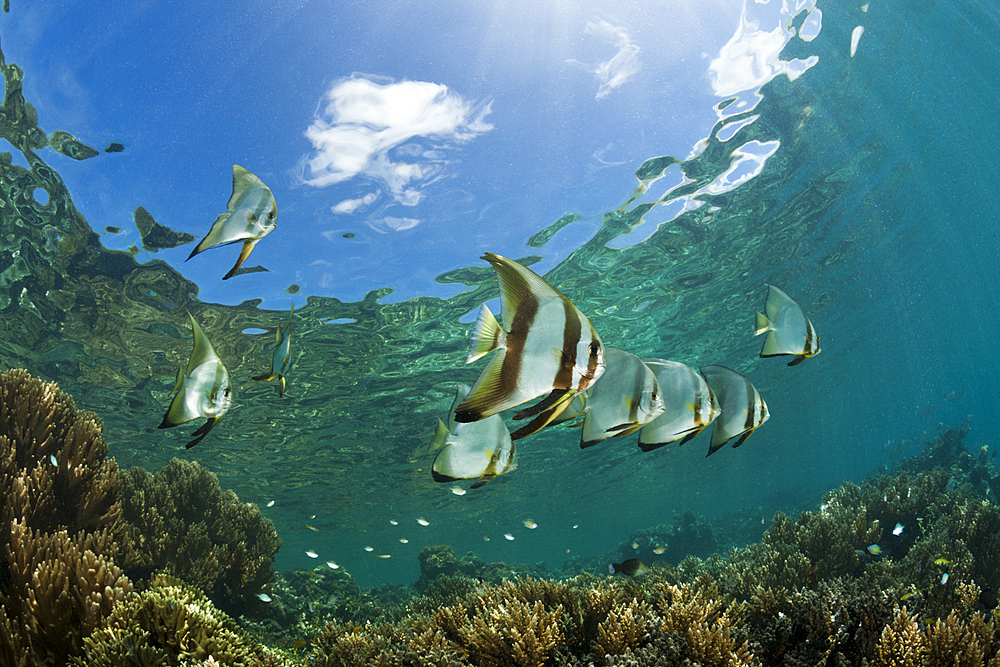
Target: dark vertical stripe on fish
524,318
751,406
571,336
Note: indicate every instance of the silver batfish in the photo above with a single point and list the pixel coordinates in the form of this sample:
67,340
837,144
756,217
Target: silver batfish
689,405
546,347
788,329
480,449
203,390
626,397
251,214
743,408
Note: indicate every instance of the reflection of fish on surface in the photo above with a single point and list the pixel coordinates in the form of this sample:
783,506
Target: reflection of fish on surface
251,214
281,360
480,449
627,397
689,405
546,347
203,390
788,329
742,407
633,567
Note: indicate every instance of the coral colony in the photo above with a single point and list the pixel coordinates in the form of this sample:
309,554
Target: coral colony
105,568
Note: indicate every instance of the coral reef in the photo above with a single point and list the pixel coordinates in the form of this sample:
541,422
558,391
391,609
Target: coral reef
59,519
180,522
171,623
442,561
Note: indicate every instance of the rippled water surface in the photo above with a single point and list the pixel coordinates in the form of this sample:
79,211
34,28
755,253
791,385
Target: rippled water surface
862,184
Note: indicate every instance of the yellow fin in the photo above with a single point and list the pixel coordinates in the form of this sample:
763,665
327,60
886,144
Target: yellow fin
762,324
439,436
486,335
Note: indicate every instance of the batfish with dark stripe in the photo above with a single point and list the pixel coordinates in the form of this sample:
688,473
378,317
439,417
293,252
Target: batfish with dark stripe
481,449
743,408
788,329
627,397
689,405
546,347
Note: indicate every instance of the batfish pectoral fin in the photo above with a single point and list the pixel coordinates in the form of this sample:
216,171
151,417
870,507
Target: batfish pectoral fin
202,432
762,324
244,253
486,335
265,378
281,386
439,436
798,360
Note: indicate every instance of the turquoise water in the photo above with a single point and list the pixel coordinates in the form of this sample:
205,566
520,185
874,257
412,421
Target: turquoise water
876,211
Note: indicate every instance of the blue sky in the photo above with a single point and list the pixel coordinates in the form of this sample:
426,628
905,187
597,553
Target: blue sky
431,132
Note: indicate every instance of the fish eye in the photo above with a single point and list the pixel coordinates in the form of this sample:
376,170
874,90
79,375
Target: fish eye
226,392
271,215
595,349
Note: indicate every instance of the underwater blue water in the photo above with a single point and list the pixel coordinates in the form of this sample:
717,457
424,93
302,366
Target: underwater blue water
876,212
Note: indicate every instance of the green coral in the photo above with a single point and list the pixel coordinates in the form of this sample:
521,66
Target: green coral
180,522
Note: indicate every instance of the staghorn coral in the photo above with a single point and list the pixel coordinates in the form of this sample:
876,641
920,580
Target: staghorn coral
512,634
60,517
171,623
702,623
180,522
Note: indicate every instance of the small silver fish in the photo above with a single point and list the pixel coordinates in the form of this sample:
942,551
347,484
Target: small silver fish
281,359
546,347
251,214
482,449
264,597
203,390
627,397
689,405
898,530
742,407
788,329
312,554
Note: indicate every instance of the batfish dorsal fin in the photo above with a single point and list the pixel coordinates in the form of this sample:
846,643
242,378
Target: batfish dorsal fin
243,181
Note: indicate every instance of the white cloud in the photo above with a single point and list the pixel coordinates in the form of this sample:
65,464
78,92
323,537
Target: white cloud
350,205
361,123
390,224
615,72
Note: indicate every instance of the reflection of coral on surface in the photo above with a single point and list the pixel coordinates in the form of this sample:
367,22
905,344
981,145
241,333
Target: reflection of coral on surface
180,522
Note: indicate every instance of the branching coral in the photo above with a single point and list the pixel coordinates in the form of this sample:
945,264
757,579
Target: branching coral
180,522
59,517
54,470
512,634
171,623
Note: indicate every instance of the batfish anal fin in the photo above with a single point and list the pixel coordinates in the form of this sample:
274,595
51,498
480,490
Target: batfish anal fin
202,432
244,253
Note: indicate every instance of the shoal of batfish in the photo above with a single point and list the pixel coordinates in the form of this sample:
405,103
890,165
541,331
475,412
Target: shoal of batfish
547,349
